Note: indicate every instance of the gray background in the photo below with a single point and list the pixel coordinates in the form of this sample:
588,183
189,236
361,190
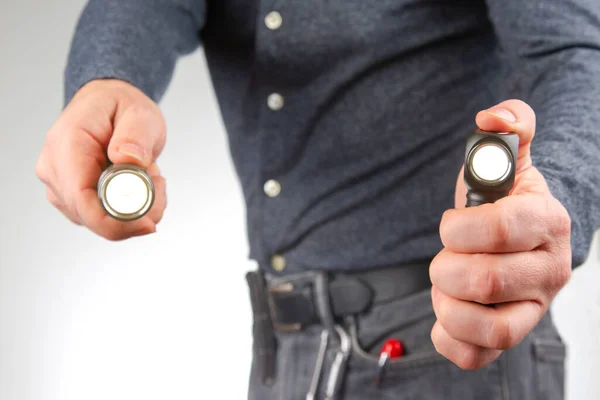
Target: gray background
83,318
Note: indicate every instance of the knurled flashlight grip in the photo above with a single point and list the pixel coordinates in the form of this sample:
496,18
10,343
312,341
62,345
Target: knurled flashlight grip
490,166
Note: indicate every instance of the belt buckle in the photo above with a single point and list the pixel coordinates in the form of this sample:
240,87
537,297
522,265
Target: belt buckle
286,287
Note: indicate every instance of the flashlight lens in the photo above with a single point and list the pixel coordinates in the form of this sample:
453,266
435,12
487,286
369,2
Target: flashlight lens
491,163
126,193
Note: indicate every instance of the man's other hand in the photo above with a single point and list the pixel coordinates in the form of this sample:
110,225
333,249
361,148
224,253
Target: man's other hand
105,117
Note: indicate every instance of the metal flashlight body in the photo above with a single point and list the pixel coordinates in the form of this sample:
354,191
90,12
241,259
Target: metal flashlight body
125,191
490,166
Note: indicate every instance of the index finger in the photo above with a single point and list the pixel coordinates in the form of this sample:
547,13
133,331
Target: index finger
511,224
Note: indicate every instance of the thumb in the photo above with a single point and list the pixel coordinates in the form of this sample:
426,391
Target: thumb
138,137
512,116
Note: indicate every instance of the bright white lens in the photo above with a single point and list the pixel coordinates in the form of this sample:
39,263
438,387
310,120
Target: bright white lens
126,193
490,163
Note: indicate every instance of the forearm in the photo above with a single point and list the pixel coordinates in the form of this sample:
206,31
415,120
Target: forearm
553,47
138,41
566,97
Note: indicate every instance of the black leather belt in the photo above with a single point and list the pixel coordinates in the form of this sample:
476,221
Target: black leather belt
289,304
292,301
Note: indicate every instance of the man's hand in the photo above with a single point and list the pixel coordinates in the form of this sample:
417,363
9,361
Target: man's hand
514,253
104,117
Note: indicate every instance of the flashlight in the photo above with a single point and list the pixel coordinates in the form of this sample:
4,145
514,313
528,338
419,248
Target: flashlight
490,165
125,191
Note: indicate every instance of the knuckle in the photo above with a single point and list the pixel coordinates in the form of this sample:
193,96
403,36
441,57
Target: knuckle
442,312
445,226
500,227
54,133
433,336
42,167
139,109
438,342
561,274
68,129
565,277
52,199
561,221
70,204
470,359
566,274
73,218
559,247
41,173
146,110
499,333
487,283
120,92
434,267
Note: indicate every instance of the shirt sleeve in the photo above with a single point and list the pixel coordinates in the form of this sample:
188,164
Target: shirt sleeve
554,51
138,41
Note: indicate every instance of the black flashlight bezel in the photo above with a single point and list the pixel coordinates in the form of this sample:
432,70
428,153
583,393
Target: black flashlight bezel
485,192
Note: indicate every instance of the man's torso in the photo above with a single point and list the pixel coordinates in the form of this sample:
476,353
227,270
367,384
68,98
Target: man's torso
366,138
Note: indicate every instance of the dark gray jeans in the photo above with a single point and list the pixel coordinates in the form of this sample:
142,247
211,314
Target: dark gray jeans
532,370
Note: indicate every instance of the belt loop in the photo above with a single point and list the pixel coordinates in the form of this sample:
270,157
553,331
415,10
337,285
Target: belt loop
323,304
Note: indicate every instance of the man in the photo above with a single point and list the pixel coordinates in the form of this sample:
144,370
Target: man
347,123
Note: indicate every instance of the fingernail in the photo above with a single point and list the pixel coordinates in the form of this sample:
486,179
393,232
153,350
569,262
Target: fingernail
133,150
503,113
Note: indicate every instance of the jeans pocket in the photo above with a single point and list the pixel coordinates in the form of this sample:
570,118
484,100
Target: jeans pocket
549,357
408,319
421,373
368,357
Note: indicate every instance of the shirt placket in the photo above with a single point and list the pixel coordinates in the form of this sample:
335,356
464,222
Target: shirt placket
272,104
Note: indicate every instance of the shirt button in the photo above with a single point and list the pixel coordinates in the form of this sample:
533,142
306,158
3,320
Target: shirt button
273,20
278,262
272,188
275,101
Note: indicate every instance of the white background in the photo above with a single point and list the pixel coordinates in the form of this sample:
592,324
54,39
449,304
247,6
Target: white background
84,318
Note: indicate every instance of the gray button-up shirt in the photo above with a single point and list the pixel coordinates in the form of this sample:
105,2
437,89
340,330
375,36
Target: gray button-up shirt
347,118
